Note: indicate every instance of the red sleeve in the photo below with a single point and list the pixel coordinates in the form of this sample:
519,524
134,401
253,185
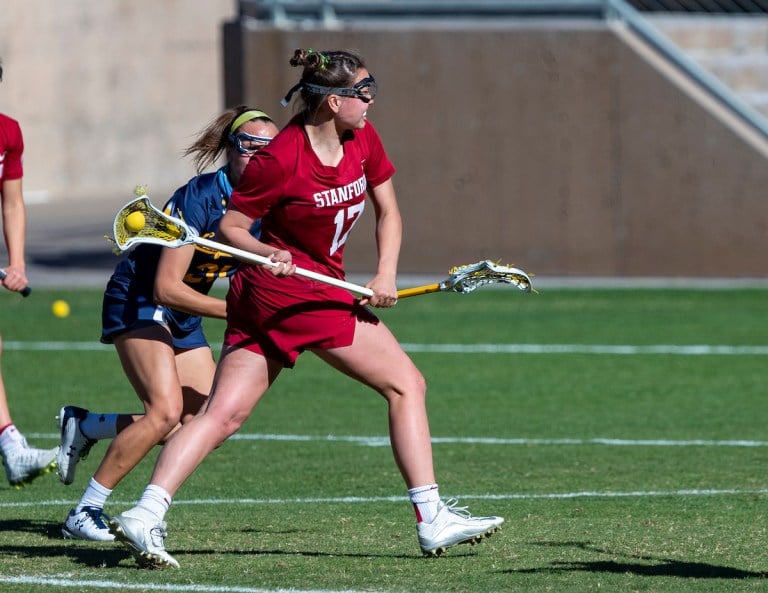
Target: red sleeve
11,149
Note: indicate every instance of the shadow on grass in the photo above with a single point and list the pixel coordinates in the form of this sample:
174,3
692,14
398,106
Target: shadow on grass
649,566
87,553
110,555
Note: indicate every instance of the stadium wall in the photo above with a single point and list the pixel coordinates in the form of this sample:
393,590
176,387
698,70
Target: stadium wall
109,93
554,145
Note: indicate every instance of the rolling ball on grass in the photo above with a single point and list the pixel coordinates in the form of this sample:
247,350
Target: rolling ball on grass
60,308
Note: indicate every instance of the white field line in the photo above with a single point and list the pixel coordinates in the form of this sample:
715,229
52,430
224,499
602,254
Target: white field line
383,441
611,349
686,492
67,581
599,349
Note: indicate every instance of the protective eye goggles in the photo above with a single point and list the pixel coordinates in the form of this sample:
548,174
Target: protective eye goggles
365,90
247,143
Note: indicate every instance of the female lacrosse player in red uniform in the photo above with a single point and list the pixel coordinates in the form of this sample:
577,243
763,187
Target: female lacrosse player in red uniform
309,188
152,312
22,463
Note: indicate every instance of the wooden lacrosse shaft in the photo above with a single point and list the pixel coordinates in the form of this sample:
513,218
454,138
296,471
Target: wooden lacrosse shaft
26,290
417,290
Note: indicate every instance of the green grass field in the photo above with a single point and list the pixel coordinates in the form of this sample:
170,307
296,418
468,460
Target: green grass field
621,433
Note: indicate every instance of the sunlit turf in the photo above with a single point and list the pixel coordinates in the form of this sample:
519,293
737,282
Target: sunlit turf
310,506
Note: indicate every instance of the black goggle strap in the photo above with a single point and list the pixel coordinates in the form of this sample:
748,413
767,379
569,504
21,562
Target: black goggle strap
355,91
287,99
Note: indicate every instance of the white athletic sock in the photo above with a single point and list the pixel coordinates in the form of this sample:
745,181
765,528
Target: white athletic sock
99,426
425,499
11,439
95,495
156,501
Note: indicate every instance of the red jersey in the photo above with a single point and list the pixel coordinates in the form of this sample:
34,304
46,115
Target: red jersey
306,207
11,149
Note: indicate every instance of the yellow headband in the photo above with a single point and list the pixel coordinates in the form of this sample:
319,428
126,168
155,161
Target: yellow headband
247,116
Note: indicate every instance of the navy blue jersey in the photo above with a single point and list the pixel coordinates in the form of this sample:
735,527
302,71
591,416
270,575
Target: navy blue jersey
128,299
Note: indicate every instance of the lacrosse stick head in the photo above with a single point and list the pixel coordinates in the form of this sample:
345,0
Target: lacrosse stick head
472,276
157,227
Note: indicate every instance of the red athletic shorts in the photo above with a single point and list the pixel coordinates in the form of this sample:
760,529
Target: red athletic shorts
281,317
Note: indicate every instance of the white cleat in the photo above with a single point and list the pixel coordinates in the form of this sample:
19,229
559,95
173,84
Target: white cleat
145,539
74,445
24,463
452,526
88,524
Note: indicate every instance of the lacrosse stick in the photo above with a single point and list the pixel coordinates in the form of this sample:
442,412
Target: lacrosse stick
25,291
140,222
472,276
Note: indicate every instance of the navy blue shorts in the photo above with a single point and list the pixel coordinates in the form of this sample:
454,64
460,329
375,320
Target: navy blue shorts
121,313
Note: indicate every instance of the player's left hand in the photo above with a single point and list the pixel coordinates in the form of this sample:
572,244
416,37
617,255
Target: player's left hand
384,292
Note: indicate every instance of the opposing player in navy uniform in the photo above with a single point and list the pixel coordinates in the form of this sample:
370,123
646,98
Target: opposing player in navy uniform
152,312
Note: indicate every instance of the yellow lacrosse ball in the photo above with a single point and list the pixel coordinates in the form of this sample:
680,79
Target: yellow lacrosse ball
60,308
134,222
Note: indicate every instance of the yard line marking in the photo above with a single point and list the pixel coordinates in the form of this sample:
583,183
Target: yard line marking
57,346
622,349
383,441
597,349
67,581
404,499
511,496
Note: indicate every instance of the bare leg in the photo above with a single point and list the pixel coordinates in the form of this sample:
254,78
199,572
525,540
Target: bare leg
151,366
242,377
377,359
21,462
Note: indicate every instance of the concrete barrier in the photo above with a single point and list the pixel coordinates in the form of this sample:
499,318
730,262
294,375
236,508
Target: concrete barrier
556,145
109,93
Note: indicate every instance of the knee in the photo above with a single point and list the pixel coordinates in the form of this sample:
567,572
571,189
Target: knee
164,417
418,385
231,425
410,386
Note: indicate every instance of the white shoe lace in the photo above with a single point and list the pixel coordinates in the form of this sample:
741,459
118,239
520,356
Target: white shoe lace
157,535
452,503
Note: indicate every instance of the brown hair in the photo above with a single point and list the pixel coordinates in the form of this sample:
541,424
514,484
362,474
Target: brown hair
212,140
326,69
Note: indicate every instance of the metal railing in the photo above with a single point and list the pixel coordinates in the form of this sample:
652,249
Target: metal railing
332,13
621,11
703,6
